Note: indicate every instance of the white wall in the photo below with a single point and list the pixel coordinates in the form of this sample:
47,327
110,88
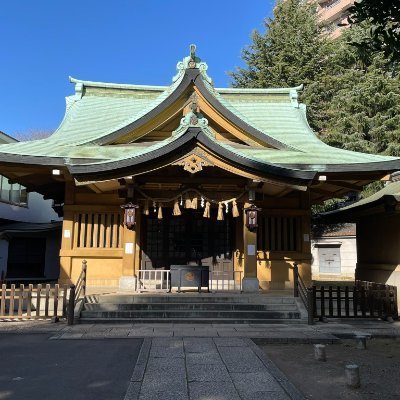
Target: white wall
38,210
348,258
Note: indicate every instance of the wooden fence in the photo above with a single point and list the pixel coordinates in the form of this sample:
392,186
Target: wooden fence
364,299
42,301
361,300
33,301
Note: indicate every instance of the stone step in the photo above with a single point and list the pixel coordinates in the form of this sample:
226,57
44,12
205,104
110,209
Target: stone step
190,306
196,314
257,321
189,298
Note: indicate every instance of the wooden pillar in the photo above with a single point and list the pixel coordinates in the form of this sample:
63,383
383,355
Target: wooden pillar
66,244
67,235
128,280
250,281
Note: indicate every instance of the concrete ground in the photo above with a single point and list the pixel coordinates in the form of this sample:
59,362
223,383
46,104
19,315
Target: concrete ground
34,367
176,361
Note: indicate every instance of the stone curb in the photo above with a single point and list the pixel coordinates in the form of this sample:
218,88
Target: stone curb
286,385
135,383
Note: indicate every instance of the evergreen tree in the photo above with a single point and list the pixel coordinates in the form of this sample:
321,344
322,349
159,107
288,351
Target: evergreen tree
384,32
363,114
292,51
352,97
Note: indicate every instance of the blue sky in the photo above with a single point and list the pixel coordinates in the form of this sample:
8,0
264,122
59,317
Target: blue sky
42,42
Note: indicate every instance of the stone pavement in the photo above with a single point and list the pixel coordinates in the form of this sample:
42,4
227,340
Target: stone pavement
208,361
206,368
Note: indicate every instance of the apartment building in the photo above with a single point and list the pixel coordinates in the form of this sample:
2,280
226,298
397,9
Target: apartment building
334,14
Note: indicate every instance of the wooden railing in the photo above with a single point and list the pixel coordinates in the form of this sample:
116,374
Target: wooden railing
77,294
361,300
33,301
304,293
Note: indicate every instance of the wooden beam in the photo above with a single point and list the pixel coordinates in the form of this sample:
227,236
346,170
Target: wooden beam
346,185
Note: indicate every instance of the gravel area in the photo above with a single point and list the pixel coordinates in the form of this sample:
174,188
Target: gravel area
379,369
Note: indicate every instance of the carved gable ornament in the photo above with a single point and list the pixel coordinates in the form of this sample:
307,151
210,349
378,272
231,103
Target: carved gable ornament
194,162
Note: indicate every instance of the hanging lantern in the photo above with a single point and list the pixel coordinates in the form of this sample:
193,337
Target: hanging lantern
202,202
251,217
181,202
130,215
226,207
154,206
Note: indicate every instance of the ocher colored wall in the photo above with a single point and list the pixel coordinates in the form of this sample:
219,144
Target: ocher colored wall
100,272
378,249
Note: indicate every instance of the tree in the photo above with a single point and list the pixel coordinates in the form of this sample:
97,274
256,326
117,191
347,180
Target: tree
292,51
363,114
352,97
352,94
384,32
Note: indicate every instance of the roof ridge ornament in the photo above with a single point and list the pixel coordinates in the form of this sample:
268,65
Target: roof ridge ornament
191,62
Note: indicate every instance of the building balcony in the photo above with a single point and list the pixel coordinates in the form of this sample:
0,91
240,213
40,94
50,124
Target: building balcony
331,11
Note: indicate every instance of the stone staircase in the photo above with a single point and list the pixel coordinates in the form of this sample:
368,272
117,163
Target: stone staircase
191,308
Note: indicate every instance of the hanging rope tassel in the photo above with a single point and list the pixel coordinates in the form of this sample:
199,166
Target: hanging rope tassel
188,202
220,216
194,203
235,211
146,208
159,215
206,213
177,210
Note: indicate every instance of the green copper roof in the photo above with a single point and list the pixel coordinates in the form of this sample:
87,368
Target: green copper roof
97,110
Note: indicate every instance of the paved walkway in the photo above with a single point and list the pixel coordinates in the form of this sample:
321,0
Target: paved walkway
206,368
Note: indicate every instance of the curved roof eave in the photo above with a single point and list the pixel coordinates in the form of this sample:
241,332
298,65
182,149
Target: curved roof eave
385,166
118,85
179,147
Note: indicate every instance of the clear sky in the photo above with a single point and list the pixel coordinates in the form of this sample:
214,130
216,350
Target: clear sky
42,42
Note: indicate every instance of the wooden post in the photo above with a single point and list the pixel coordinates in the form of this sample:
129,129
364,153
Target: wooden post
20,300
84,272
310,305
127,280
38,298
295,280
250,281
12,297
71,305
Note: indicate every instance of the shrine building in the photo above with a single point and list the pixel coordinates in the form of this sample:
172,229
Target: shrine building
152,176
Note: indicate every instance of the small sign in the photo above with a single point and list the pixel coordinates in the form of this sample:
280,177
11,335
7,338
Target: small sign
306,237
128,248
67,233
251,250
